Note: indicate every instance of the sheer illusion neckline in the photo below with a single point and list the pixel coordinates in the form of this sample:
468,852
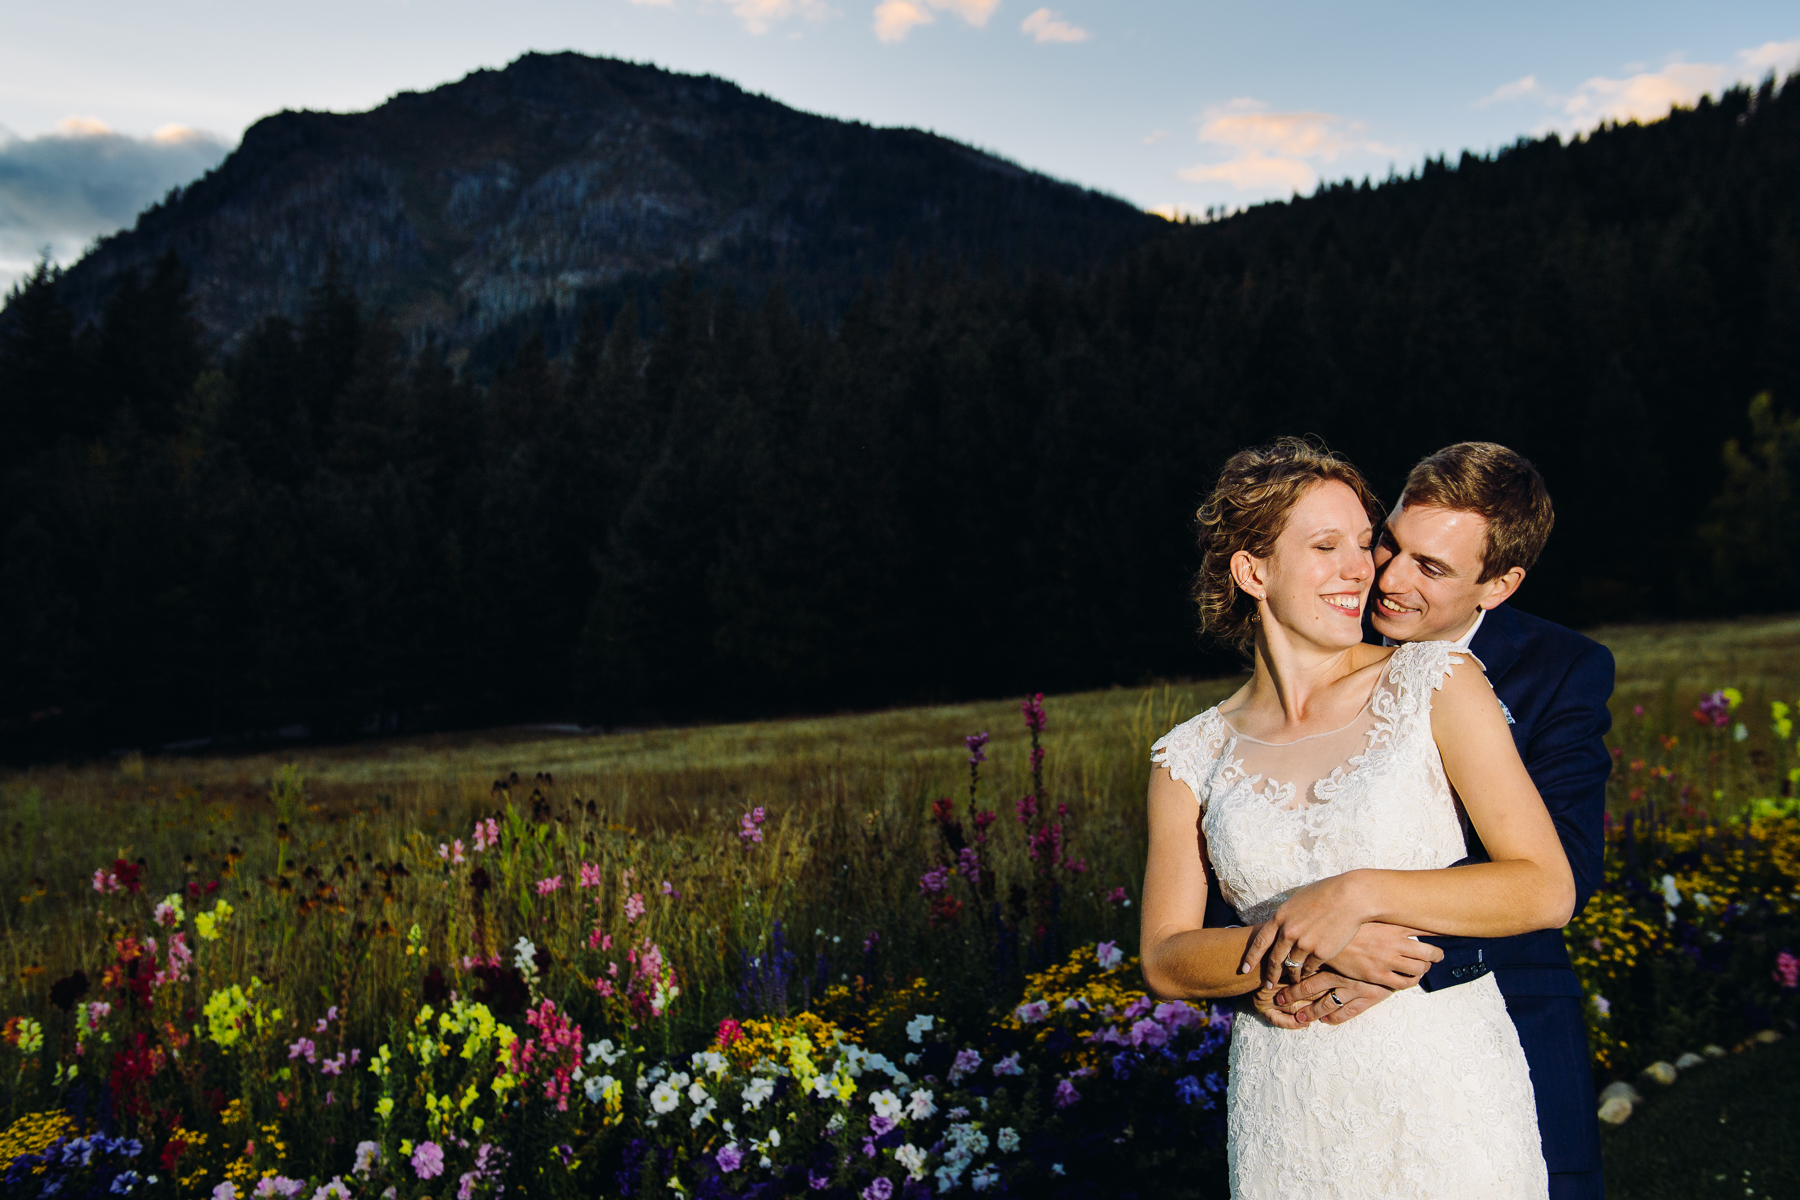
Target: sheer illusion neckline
1370,699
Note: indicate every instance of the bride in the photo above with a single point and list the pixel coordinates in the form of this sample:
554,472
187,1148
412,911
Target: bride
1327,796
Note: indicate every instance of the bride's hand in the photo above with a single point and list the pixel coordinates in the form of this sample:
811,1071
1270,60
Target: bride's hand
1311,928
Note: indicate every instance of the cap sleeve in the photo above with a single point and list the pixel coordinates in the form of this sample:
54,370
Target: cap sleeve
1189,751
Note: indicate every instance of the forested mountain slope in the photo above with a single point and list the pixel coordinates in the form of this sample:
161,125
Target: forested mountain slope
500,204
967,483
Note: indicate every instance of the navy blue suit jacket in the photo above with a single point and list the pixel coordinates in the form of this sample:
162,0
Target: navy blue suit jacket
1555,684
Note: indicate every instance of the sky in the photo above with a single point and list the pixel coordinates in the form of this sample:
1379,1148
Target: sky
1174,105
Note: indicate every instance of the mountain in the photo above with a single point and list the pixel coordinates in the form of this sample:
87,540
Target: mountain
507,200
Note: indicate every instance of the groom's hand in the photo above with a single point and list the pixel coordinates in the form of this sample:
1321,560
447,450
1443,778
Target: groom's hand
1321,994
1387,955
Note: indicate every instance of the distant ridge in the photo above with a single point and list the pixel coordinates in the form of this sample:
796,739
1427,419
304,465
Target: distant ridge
511,197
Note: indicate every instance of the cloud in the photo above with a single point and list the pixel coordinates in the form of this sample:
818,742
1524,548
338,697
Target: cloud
1274,150
1255,172
1779,57
894,19
654,3
1155,136
1047,26
759,16
63,188
1516,90
1647,96
1642,94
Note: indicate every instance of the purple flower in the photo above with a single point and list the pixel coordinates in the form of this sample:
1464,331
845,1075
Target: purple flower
1033,708
1009,1065
1188,1090
881,1125
1109,955
881,1189
1066,1094
975,741
428,1160
965,1064
303,1048
817,1183
934,880
968,864
730,1158
1178,1014
1148,1033
1032,1012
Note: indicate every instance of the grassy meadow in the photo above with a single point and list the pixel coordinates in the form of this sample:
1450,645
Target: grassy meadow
852,870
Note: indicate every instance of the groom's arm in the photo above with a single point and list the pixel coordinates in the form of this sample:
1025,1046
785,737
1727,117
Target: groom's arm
1568,762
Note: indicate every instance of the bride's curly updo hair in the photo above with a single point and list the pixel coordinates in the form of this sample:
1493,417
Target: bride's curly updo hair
1247,510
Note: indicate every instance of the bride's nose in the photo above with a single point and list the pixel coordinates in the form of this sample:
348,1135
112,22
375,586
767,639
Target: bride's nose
1360,565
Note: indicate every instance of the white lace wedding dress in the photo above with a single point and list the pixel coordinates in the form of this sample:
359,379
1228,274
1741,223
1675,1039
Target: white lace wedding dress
1425,1094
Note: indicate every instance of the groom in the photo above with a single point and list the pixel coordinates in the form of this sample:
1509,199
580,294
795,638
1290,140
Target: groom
1470,524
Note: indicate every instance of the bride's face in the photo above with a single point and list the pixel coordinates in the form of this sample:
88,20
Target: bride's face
1317,580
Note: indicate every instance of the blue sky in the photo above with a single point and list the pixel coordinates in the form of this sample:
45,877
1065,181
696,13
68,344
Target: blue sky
105,104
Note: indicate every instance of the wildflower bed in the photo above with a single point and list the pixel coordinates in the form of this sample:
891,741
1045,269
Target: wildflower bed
545,1002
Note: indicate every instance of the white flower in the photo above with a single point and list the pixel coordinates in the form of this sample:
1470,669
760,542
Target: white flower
1671,894
225,1191
703,1112
712,1062
680,1079
525,957
886,1104
1056,1169
697,1093
758,1090
1009,1065
605,1051
1109,954
775,1138
836,1123
1007,1140
912,1158
1702,899
335,1190
367,1155
1031,1012
912,1060
918,1027
920,1105
596,1087
970,1140
985,1177
664,1098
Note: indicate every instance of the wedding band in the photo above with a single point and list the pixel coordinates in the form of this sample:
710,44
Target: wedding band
1339,1000
1288,962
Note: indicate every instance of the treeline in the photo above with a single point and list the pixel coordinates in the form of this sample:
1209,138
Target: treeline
966,485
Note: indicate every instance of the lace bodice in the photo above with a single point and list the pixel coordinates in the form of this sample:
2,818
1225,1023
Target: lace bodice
1371,794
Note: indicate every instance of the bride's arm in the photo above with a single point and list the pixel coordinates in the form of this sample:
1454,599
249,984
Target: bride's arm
1527,884
1182,959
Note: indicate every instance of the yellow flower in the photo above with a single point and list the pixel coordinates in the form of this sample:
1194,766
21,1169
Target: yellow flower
384,1107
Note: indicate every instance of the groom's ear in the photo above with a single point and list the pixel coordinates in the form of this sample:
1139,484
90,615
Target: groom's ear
1500,588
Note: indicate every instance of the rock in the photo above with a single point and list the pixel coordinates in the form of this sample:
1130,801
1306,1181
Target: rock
1620,1091
1768,1037
1616,1111
1663,1072
1713,1051
1689,1061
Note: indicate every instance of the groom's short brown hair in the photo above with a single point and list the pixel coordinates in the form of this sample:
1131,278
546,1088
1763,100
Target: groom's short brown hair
1499,484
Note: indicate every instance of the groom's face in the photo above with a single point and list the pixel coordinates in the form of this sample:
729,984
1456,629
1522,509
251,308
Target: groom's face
1427,567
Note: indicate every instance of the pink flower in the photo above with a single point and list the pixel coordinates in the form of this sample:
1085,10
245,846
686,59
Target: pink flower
546,886
456,852
590,875
749,826
1066,1094
332,1066
487,834
1787,970
730,1158
303,1048
1033,708
966,1063
105,881
1109,955
443,851
428,1160
668,889
1033,1012
1009,1065
331,1014
634,907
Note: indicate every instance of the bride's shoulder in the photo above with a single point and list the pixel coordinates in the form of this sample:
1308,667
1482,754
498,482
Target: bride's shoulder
1425,667
1202,733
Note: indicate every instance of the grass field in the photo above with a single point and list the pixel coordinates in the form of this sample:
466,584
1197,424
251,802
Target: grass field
330,854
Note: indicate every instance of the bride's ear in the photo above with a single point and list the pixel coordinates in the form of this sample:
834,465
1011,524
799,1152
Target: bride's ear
1246,572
